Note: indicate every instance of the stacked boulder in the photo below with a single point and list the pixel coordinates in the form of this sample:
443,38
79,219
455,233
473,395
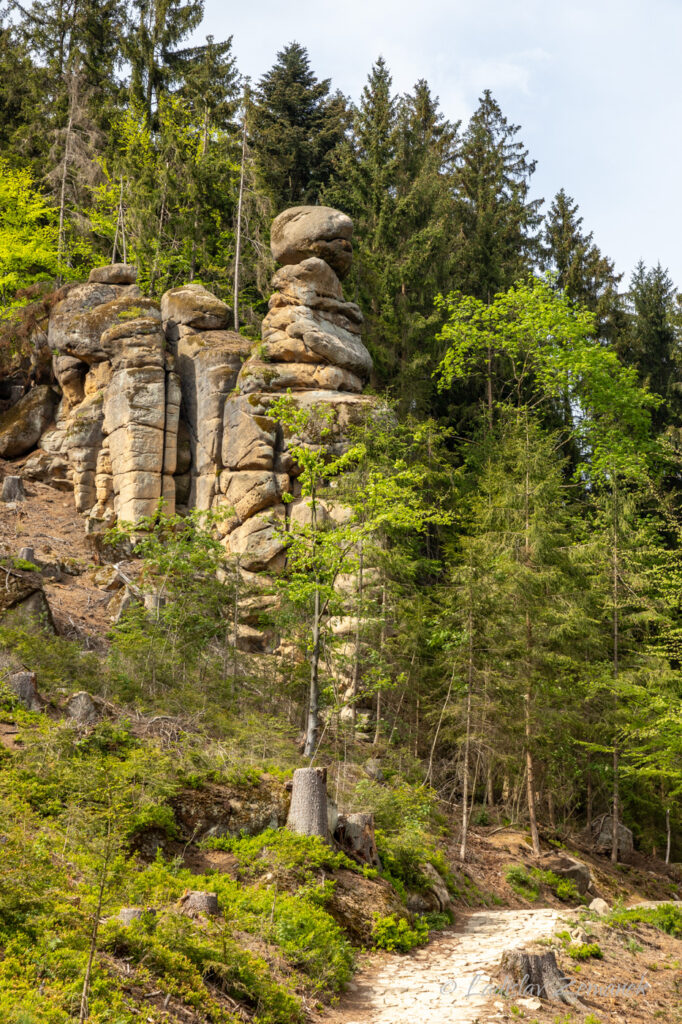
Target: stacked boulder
311,348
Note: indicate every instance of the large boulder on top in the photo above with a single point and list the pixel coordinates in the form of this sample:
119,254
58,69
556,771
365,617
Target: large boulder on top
305,231
115,273
22,425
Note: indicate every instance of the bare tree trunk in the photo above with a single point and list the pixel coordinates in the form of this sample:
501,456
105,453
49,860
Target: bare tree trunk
467,741
668,834
589,794
355,684
238,241
382,641
429,770
308,809
84,1012
314,696
530,779
62,191
616,752
528,696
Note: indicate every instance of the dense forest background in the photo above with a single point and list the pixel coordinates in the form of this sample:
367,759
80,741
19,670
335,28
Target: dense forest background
527,651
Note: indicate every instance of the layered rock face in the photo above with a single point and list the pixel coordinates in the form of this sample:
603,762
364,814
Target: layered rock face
167,402
311,348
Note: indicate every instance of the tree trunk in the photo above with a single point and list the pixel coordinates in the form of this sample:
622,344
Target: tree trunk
668,834
539,976
308,809
238,241
467,741
314,696
616,795
355,685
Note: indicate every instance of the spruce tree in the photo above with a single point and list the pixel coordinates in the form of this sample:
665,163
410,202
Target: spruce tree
295,126
580,268
154,31
651,342
497,240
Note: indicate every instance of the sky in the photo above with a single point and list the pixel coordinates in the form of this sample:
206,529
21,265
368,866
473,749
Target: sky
596,88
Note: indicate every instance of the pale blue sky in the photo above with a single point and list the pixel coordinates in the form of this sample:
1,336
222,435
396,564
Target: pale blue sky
596,88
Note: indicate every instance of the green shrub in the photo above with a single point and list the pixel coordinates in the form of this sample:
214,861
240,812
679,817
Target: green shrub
667,918
282,851
585,951
394,933
564,889
522,883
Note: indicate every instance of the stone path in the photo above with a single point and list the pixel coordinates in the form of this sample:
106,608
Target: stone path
445,982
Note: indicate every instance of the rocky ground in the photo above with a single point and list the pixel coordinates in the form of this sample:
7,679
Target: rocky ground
453,979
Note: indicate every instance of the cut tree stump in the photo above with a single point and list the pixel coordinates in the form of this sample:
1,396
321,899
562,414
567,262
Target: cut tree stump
538,974
197,902
355,835
308,809
12,489
27,555
23,684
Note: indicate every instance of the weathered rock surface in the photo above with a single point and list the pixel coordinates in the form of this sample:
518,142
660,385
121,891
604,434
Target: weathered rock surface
195,307
602,836
115,273
305,231
22,425
23,685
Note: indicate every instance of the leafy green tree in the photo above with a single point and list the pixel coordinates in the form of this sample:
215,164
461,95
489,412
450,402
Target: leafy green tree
295,125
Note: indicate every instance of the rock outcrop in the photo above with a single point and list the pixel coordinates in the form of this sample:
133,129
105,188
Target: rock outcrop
166,402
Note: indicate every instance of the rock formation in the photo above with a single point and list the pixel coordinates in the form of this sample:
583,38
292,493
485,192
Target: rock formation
166,402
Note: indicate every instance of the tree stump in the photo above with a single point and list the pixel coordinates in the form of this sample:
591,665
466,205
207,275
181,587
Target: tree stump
12,489
195,902
23,684
355,835
27,555
308,809
538,974
82,708
127,915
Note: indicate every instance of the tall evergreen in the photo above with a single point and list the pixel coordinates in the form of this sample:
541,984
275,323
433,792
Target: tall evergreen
497,239
153,34
393,176
581,269
651,342
296,124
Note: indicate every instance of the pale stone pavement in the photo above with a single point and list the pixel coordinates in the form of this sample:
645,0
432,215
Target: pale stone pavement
444,982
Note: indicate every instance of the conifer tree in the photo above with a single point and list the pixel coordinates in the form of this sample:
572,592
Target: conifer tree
295,125
497,222
651,342
154,31
580,268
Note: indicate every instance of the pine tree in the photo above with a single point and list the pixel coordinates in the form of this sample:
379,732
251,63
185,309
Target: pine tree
497,239
295,126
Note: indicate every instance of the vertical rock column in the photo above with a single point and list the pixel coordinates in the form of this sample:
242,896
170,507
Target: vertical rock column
141,408
208,359
312,348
